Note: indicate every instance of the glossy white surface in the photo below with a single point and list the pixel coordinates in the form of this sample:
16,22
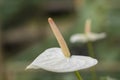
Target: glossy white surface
54,60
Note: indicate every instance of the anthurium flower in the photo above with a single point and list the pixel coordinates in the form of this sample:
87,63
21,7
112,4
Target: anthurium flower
88,35
59,59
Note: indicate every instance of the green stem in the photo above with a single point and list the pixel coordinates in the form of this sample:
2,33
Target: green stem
93,72
91,54
78,75
90,49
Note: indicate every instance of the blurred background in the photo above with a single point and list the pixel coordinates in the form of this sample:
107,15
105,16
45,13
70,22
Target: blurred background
25,33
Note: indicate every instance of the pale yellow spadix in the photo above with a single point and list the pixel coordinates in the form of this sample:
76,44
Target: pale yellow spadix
59,37
88,26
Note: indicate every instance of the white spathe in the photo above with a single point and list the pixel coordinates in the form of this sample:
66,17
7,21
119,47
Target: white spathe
86,37
54,60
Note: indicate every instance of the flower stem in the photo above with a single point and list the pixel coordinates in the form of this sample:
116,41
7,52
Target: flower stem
90,49
78,75
91,54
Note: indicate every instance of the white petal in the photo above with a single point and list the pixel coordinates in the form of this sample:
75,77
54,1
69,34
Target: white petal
96,36
54,60
78,38
85,38
102,35
48,56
